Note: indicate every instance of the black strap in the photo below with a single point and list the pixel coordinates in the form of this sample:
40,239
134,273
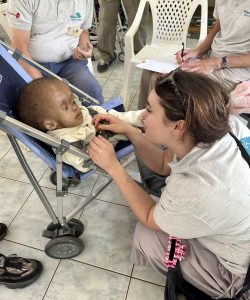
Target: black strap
242,149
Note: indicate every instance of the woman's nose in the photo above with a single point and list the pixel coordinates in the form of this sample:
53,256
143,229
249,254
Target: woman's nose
143,115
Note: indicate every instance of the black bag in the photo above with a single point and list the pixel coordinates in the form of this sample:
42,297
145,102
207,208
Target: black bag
176,284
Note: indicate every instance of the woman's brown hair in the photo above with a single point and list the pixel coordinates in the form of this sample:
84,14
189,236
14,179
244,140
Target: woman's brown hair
197,99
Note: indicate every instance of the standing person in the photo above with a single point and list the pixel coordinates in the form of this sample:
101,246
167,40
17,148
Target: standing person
225,53
55,34
107,30
15,271
206,201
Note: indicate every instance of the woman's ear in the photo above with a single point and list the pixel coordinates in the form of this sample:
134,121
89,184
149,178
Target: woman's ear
179,128
49,125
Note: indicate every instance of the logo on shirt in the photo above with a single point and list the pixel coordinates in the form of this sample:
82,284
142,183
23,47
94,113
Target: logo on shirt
17,15
1,78
247,13
246,144
76,17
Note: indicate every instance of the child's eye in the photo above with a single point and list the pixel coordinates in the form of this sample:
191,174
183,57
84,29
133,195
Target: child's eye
65,108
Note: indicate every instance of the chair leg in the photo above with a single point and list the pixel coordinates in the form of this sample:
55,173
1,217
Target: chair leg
129,74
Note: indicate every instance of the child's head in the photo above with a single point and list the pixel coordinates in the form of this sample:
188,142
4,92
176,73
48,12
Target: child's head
48,104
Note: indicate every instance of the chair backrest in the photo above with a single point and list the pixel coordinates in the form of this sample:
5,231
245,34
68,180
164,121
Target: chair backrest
171,19
3,19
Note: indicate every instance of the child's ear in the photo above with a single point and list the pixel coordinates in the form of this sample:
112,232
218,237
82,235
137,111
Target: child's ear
49,125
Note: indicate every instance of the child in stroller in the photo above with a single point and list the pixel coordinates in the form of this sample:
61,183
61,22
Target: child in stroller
50,106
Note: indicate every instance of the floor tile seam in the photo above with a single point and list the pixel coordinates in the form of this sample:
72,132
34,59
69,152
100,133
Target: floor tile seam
20,209
69,193
6,153
100,268
20,181
133,277
110,202
52,277
147,281
129,283
24,245
108,77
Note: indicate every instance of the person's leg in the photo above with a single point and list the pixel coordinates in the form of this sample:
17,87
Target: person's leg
149,248
3,230
18,272
131,7
107,32
78,74
53,67
147,83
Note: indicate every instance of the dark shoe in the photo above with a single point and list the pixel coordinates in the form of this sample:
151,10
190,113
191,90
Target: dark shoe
18,272
3,230
103,66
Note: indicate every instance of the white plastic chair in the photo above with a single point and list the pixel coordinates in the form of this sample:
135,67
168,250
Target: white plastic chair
3,18
5,24
171,19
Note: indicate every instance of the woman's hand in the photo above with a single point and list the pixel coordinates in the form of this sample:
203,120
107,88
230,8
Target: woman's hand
240,98
189,55
204,66
111,123
85,53
102,152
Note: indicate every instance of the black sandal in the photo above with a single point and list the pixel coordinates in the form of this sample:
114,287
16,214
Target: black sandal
3,230
18,272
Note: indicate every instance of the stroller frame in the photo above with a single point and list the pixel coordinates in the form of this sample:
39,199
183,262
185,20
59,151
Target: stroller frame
64,231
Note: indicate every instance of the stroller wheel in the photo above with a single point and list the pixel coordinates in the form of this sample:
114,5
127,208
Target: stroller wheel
64,247
75,225
66,182
121,56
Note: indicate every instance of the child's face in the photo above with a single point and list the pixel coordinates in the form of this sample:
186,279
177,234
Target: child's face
63,109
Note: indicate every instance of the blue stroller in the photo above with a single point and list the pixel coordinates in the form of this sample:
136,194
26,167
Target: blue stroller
64,231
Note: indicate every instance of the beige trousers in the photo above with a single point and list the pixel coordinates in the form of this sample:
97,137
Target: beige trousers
108,22
200,267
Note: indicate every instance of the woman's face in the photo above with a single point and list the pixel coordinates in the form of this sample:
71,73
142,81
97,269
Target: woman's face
157,127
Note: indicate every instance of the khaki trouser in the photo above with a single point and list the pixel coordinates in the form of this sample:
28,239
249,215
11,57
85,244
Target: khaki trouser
200,267
108,22
148,79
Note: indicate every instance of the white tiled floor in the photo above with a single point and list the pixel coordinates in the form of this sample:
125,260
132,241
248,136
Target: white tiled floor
103,270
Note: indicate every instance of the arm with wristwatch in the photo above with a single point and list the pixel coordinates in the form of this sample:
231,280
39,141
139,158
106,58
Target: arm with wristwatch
193,61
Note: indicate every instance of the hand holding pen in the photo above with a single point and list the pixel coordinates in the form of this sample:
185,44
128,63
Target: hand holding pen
185,56
180,55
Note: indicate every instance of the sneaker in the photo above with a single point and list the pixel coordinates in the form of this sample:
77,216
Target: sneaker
103,66
18,272
3,230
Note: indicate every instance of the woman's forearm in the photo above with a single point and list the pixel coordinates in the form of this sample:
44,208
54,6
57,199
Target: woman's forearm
146,151
139,201
206,44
